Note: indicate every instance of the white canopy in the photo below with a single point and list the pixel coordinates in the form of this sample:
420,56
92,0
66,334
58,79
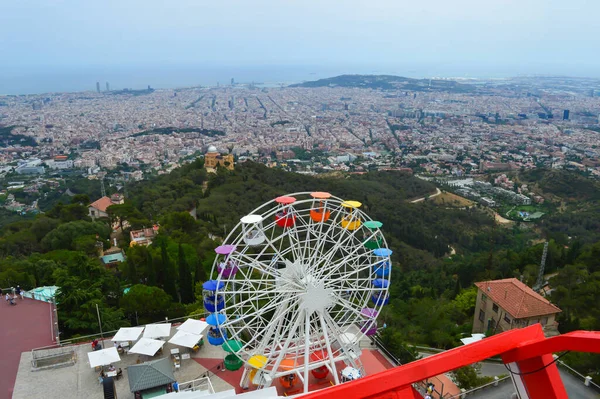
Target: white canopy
103,357
193,326
184,338
147,346
127,334
157,330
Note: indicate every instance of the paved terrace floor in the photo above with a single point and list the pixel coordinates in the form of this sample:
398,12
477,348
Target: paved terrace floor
81,381
25,326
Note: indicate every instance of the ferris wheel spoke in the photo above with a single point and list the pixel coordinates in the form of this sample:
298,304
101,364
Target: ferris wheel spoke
291,313
330,277
323,237
287,342
256,337
352,265
260,311
355,250
327,257
252,296
255,264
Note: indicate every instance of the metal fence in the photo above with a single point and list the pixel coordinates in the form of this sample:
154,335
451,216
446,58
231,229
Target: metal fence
379,343
199,384
488,385
68,344
576,373
52,358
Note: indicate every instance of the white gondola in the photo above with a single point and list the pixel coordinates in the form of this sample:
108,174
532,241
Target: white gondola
253,230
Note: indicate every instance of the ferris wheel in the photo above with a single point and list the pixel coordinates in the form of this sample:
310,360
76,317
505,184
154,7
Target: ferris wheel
297,283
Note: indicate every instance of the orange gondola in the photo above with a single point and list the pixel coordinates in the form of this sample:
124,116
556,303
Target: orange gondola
287,381
320,213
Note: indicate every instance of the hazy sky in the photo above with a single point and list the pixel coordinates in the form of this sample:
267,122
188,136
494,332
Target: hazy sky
545,36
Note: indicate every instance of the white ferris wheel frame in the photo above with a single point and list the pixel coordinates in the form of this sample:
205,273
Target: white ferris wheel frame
319,291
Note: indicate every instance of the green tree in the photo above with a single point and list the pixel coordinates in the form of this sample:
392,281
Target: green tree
149,304
185,279
467,377
63,236
167,272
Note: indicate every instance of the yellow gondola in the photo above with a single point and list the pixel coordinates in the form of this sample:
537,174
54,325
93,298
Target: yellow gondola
351,221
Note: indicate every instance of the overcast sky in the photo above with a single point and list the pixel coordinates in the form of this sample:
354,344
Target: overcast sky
558,36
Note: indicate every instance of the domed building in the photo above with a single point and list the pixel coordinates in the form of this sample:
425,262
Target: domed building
213,157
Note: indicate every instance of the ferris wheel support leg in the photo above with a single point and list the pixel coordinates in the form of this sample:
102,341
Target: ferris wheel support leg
306,348
329,354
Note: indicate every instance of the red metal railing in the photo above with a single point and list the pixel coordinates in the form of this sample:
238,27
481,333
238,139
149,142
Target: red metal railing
526,350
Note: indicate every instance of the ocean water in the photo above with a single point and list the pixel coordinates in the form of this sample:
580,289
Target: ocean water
35,80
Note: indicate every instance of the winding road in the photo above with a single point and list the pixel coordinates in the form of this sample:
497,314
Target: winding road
437,192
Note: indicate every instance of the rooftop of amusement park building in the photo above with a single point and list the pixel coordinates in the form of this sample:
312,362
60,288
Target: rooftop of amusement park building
80,380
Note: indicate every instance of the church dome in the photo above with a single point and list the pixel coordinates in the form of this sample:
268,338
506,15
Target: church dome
212,148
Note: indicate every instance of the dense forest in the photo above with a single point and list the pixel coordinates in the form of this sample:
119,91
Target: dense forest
432,292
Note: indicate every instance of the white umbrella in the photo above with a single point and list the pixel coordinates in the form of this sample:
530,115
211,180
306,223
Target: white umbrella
127,334
193,326
157,330
184,338
147,346
103,357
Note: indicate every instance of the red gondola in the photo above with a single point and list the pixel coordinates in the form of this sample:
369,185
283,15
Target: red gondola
285,217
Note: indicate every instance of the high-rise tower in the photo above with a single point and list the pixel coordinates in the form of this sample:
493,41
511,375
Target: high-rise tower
98,87
107,87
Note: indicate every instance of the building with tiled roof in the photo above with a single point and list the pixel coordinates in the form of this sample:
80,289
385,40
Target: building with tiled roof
97,209
506,304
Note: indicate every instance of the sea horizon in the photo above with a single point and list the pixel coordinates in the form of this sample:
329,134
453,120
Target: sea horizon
31,80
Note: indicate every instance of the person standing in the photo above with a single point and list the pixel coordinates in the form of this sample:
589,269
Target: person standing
19,291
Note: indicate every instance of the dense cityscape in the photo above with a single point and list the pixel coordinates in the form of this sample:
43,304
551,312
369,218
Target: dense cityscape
446,130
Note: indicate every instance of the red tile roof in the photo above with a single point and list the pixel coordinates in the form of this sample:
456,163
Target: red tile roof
517,298
102,204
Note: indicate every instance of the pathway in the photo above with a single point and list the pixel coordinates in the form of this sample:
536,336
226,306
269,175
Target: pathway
437,192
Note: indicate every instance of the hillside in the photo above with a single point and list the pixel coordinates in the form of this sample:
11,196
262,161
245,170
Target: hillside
388,82
561,185
60,248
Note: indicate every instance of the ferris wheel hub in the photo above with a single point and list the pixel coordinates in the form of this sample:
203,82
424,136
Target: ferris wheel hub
316,297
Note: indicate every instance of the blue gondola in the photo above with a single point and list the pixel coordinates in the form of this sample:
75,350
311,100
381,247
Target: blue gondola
216,319
381,283
382,252
213,285
213,306
216,336
382,269
380,299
